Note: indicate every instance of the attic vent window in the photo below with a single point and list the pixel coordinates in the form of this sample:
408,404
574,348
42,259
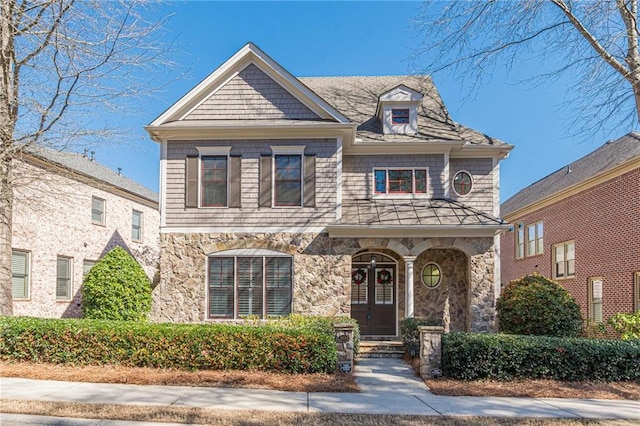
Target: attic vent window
400,116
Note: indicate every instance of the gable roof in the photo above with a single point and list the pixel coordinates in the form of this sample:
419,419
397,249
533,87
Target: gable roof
80,164
247,55
606,158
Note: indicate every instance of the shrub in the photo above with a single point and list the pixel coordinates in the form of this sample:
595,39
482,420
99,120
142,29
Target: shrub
411,334
627,325
291,348
116,288
321,325
535,305
469,356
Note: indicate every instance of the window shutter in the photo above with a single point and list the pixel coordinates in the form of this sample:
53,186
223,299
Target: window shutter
19,275
235,181
309,181
191,181
265,181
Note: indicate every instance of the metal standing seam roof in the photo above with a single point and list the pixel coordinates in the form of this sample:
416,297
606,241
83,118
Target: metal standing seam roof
80,164
393,212
357,98
606,157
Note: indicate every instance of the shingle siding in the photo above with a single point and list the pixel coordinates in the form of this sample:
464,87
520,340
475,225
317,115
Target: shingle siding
357,172
252,95
482,193
250,214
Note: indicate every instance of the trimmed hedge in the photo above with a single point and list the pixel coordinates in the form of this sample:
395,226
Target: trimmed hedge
469,356
292,346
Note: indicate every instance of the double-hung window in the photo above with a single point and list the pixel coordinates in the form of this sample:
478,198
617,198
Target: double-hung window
287,177
63,278
136,225
595,299
288,180
535,241
256,284
213,181
564,257
97,211
519,241
400,181
20,274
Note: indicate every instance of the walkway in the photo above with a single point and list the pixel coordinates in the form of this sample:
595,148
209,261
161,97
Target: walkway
388,387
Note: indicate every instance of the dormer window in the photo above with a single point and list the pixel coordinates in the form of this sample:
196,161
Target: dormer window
399,116
398,110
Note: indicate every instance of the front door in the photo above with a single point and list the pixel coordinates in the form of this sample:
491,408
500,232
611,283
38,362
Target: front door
373,291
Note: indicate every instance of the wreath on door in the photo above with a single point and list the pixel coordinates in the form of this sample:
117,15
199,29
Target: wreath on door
358,276
384,277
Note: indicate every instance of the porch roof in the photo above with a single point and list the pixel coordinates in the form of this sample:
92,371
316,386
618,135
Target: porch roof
413,217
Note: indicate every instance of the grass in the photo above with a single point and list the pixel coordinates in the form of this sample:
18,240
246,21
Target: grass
255,418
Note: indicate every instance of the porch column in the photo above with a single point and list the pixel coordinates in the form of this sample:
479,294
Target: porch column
408,287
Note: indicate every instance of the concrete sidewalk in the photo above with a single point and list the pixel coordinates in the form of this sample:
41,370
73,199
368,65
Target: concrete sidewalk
388,387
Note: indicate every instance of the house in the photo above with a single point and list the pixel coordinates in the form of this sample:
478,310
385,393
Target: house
327,196
68,212
581,226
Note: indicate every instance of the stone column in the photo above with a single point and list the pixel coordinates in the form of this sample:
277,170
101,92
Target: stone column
344,343
408,287
430,350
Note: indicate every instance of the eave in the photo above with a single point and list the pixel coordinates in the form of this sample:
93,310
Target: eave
417,231
391,147
252,131
481,151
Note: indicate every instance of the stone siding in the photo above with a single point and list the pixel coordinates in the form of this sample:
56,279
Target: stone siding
52,217
322,273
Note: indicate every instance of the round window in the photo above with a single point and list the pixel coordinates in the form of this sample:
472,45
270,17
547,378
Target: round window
431,275
462,183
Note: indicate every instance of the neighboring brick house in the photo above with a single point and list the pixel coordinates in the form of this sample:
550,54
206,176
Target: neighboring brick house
329,196
581,226
68,212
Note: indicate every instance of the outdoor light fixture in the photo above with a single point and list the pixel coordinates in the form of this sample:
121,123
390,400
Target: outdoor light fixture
373,262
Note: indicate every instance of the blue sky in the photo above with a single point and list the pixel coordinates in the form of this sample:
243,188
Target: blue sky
353,38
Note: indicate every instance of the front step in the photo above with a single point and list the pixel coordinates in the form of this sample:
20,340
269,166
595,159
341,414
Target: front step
381,349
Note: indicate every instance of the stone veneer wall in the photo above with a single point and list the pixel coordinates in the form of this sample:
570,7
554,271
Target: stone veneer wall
322,272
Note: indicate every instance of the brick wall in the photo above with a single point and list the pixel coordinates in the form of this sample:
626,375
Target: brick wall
52,217
604,222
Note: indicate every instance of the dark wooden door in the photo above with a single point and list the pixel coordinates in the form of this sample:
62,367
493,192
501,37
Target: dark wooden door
373,303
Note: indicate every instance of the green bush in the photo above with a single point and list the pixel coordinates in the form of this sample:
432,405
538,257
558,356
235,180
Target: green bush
320,325
627,325
291,348
116,288
411,334
469,356
535,305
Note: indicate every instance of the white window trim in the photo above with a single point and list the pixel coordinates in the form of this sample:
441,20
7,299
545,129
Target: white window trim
28,283
288,149
139,240
210,152
553,261
535,239
453,186
414,195
273,177
104,211
518,227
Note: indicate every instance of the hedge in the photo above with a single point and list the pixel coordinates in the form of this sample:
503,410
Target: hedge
470,356
292,346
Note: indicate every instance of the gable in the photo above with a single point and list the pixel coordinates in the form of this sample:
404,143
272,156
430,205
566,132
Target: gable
251,95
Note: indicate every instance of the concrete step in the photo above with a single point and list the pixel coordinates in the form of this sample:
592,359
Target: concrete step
381,349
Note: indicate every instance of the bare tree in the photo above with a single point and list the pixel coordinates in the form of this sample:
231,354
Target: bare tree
594,42
63,63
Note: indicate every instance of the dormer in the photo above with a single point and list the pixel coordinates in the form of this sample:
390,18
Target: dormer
398,110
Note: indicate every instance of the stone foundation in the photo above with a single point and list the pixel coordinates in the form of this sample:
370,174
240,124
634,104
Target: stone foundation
322,274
